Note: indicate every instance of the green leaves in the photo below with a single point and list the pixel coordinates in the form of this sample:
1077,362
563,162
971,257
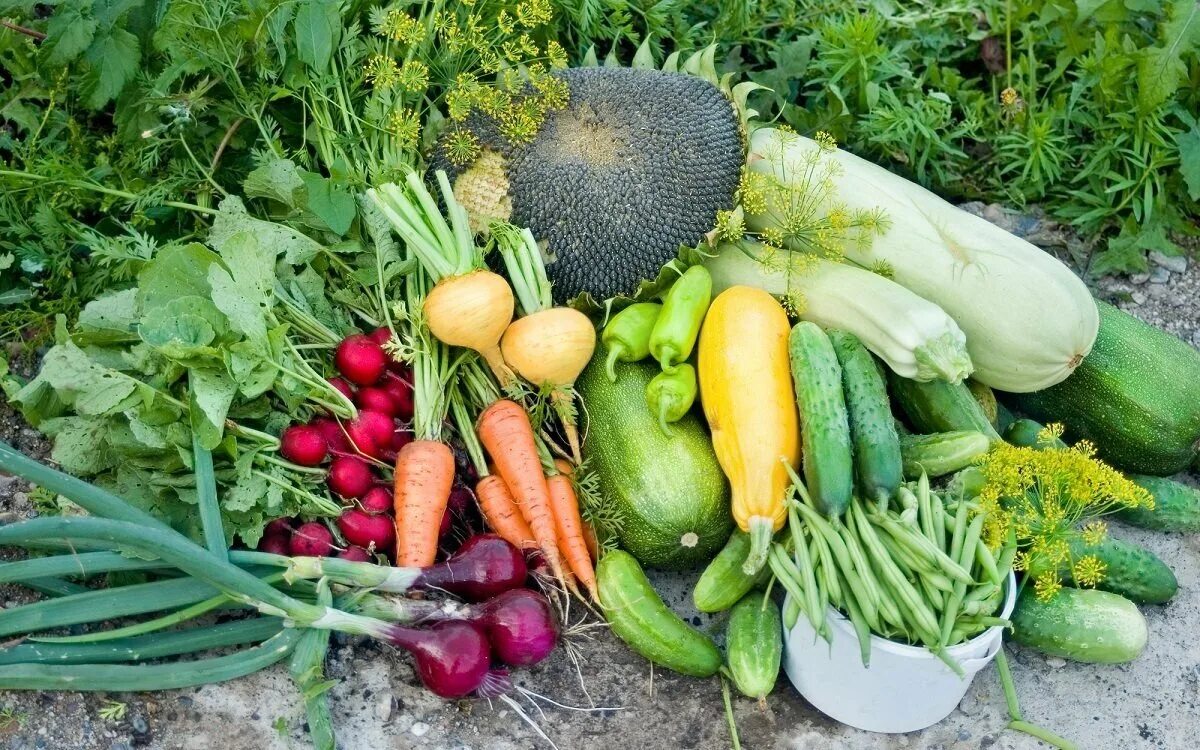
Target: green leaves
1161,69
91,388
69,32
212,393
92,31
244,288
318,28
114,58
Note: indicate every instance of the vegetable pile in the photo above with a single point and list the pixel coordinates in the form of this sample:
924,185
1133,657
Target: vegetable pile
498,333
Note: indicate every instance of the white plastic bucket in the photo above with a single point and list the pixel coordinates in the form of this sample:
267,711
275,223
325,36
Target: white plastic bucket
906,688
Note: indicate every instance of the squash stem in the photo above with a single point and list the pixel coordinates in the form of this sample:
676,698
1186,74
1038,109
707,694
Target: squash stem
761,529
733,731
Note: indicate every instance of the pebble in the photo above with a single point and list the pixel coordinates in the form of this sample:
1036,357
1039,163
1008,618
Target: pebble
1137,296
1139,278
1056,662
419,729
139,724
385,707
1159,275
120,745
1174,263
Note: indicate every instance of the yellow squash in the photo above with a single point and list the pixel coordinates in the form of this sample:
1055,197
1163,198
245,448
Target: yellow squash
746,389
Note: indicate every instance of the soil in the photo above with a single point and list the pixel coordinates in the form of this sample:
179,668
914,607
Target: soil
1151,702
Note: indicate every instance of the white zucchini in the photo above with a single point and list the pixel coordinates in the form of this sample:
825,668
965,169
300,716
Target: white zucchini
1028,319
913,336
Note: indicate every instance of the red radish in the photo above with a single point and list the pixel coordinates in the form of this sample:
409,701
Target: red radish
312,539
360,359
334,436
342,386
280,527
355,553
401,438
303,444
276,544
452,658
371,432
483,566
520,626
350,477
373,398
401,390
381,335
367,530
362,439
377,500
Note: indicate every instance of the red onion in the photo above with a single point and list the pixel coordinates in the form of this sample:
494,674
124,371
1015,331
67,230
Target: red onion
453,657
484,566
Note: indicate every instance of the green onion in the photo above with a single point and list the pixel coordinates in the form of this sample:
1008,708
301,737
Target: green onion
206,494
82,565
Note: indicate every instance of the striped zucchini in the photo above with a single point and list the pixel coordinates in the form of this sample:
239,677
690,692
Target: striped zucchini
877,460
824,423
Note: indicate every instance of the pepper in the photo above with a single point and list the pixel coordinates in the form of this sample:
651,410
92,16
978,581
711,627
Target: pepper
670,394
627,335
684,306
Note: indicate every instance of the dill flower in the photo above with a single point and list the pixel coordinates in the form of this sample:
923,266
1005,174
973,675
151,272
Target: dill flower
556,54
884,269
400,27
382,72
462,147
1088,570
413,76
534,13
405,126
506,23
1046,586
731,225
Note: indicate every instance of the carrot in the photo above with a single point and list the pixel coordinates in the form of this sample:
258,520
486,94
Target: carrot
593,544
569,526
424,476
506,433
501,512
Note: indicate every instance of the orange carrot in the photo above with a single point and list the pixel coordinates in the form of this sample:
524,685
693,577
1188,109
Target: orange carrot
593,544
424,476
501,512
569,526
506,433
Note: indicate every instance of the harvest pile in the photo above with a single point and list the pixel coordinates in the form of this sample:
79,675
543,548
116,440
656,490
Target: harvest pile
432,390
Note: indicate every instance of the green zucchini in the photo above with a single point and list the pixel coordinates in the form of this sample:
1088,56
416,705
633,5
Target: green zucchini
754,645
638,617
1134,572
669,491
877,462
723,583
1176,506
938,406
1081,624
1136,396
824,423
941,453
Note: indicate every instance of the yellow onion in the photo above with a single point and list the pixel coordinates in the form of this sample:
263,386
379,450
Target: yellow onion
473,311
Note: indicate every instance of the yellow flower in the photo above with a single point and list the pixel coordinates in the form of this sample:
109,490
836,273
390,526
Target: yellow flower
1094,533
730,225
405,127
533,13
884,269
461,146
826,141
413,76
556,54
401,27
1046,586
382,72
1088,570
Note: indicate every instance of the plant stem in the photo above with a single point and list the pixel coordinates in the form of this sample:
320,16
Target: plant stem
1045,735
83,185
733,730
1006,682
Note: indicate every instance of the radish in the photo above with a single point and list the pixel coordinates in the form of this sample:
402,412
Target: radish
374,398
483,566
312,539
331,430
303,444
355,553
360,360
350,477
276,544
377,500
343,386
381,336
400,388
401,438
452,658
371,433
280,527
368,530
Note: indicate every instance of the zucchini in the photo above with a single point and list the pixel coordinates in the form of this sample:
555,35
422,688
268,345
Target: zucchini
1081,624
877,462
986,398
938,406
1176,506
723,583
1136,396
754,645
638,617
824,423
1134,572
941,453
669,492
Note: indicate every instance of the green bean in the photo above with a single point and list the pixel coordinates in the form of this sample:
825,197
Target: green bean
925,506
784,569
826,566
932,594
924,548
910,564
844,562
814,605
906,596
960,529
791,612
145,647
908,501
908,517
887,608
981,592
861,629
949,660
127,678
1007,554
987,561
939,519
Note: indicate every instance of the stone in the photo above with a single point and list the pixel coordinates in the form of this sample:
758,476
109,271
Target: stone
385,707
1138,297
1173,263
1056,662
1139,278
419,729
1159,275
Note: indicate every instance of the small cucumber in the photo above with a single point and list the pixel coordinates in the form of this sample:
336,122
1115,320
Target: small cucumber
942,452
638,617
1081,624
824,423
1176,506
877,461
1134,572
723,584
938,406
986,399
754,642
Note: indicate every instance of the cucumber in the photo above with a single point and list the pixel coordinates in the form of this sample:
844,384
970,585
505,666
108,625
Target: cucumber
938,406
754,645
723,584
824,422
669,492
877,462
638,617
1134,572
1136,396
1176,506
986,398
1081,624
1024,432
941,453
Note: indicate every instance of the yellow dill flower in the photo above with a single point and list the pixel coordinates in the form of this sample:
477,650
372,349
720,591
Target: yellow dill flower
1088,570
506,23
884,269
556,54
413,76
751,192
382,72
1047,586
405,126
1021,560
461,146
459,103
401,27
1094,533
825,140
528,46
731,225
534,13
1050,435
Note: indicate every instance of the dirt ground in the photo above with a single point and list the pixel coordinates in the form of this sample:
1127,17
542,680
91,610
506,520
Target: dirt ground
1150,703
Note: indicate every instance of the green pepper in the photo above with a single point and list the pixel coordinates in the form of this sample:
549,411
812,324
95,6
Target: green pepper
684,306
627,335
670,394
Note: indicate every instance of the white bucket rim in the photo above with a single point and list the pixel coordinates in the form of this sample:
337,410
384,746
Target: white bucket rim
843,623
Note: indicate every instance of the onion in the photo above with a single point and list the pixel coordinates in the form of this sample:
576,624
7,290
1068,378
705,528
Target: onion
472,311
453,658
520,625
484,566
